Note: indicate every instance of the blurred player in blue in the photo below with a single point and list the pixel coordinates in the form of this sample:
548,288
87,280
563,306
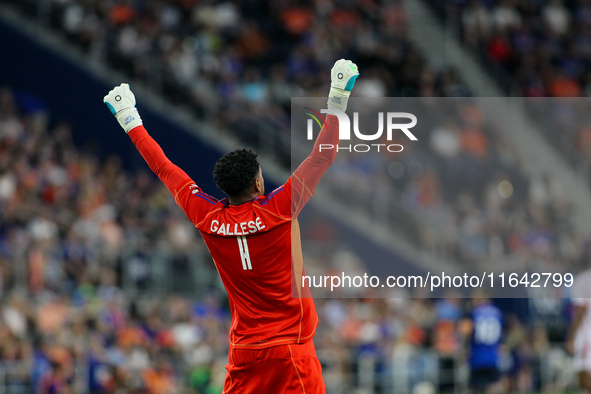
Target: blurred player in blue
486,334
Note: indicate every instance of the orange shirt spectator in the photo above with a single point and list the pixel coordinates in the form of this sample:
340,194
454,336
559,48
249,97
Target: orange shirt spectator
159,381
445,339
474,142
297,21
253,44
564,86
346,19
121,14
130,336
415,335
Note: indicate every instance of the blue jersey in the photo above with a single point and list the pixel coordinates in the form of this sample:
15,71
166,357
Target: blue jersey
486,336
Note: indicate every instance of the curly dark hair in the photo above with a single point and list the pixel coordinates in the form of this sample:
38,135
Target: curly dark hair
235,172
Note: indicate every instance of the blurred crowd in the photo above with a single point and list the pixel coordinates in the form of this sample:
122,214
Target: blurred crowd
544,45
238,63
77,233
71,323
541,49
467,196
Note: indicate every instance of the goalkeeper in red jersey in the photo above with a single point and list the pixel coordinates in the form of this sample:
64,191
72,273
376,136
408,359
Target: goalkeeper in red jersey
254,241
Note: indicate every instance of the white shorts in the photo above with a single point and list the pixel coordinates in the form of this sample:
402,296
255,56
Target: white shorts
582,356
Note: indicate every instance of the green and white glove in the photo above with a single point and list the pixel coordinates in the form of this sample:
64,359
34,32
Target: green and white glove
342,78
121,103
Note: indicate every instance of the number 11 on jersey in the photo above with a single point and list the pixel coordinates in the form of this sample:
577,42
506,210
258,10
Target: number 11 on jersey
244,254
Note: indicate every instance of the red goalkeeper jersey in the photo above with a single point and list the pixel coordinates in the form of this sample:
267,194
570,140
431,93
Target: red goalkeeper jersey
255,245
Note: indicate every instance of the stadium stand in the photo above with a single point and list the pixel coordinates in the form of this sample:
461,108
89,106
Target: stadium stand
68,223
248,58
533,49
91,324
197,55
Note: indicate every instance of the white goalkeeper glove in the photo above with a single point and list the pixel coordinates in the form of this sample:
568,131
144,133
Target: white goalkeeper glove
342,78
121,103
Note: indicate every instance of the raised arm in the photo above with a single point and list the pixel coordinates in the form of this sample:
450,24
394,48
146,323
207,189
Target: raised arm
121,103
171,175
306,177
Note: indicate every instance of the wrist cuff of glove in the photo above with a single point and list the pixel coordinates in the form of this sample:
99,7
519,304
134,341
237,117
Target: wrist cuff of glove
337,99
128,118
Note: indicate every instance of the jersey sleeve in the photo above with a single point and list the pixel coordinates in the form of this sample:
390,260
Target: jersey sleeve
305,178
289,199
188,196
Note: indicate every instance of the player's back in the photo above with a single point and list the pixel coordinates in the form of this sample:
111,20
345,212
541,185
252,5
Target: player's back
251,245
255,245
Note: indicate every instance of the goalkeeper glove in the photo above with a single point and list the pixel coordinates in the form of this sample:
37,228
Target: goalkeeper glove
342,78
121,103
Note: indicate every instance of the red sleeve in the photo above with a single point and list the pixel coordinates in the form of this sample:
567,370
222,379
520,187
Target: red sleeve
305,178
180,185
289,199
